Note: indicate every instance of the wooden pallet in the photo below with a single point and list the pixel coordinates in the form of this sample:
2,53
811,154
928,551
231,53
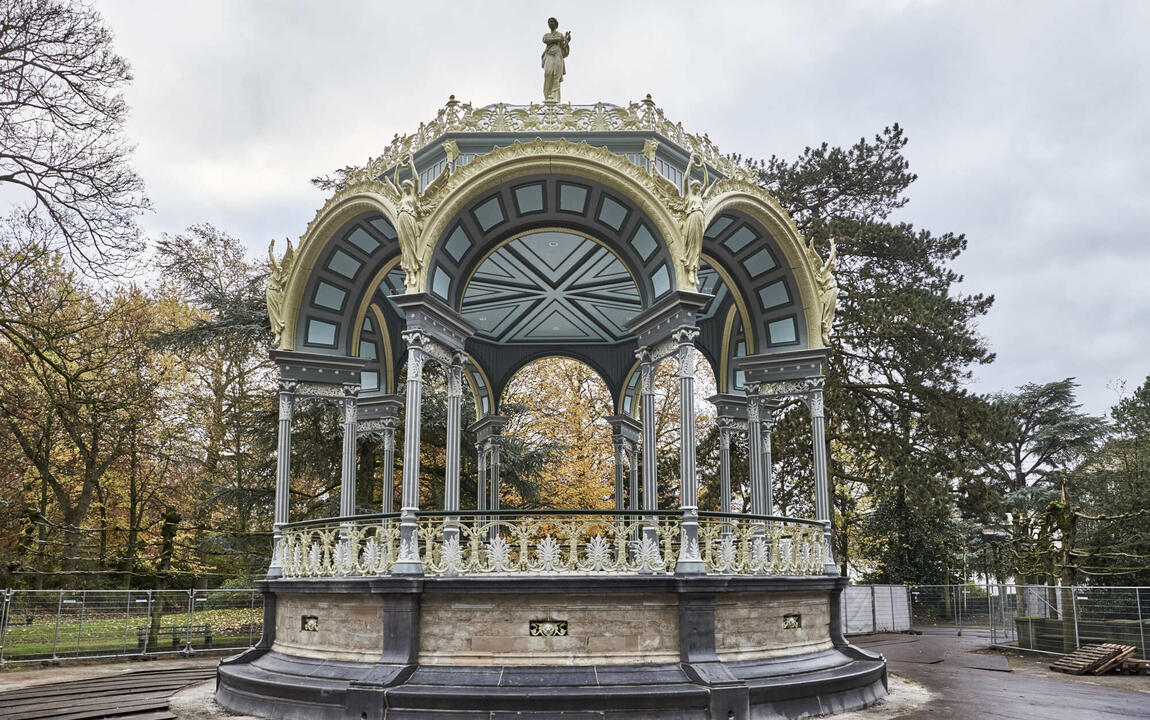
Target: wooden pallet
1130,666
1095,659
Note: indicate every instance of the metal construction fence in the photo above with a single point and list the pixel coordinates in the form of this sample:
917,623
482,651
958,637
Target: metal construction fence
1042,618
875,608
53,625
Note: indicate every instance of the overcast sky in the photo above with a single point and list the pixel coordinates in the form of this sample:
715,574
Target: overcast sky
1029,123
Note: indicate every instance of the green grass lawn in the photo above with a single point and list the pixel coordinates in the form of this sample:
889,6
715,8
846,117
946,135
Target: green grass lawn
108,631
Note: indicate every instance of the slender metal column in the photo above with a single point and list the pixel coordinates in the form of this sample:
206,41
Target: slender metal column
633,456
647,418
620,500
481,482
725,431
408,562
347,463
387,492
690,561
766,426
650,497
755,451
451,472
822,481
493,471
283,475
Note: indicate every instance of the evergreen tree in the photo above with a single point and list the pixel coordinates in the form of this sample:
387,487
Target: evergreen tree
904,343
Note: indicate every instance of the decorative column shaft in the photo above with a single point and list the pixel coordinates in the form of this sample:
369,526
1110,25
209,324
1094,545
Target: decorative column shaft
283,475
725,431
454,416
493,472
633,456
647,417
481,481
408,562
451,472
822,480
690,562
347,464
755,452
766,427
620,505
387,491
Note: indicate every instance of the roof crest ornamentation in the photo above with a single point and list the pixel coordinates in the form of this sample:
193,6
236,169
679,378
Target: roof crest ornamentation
460,117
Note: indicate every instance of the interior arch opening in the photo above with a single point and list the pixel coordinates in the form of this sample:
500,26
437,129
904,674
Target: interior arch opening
557,408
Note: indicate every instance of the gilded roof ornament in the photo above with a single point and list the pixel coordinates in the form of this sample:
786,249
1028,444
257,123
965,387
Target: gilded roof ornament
278,275
461,117
409,216
828,289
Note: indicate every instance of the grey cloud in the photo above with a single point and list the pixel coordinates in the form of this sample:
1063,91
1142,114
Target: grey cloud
1028,123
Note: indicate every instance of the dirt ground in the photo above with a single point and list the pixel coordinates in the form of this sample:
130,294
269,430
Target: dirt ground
969,681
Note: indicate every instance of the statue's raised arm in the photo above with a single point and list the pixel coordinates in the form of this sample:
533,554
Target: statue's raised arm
414,173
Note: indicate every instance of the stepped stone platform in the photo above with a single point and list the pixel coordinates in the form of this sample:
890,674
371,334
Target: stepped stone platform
607,646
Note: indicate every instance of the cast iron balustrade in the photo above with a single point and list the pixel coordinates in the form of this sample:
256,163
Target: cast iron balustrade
542,542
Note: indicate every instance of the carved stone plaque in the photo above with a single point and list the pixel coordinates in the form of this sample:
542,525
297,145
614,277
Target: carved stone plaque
548,628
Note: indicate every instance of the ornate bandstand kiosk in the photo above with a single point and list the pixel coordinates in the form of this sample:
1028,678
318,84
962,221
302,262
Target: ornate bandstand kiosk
491,237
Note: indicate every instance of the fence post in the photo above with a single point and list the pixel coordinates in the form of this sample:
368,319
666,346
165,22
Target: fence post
958,609
127,620
990,619
191,616
873,611
148,634
5,611
80,630
1074,609
56,632
1141,629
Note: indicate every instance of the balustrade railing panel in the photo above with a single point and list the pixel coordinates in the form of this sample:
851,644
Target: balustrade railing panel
551,542
734,546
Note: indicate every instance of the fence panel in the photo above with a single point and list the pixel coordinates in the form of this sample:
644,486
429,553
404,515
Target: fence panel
875,608
858,609
1041,618
39,625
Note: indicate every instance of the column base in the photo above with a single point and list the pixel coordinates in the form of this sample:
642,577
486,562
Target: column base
690,567
408,568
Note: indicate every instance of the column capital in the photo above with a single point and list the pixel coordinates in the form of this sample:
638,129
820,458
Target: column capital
647,378
685,354
287,405
685,335
489,427
624,427
428,346
455,379
814,400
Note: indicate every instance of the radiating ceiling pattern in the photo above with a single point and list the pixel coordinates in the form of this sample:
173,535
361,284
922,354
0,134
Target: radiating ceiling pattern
550,287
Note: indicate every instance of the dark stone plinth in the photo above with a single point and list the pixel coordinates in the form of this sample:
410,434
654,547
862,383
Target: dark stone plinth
267,682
